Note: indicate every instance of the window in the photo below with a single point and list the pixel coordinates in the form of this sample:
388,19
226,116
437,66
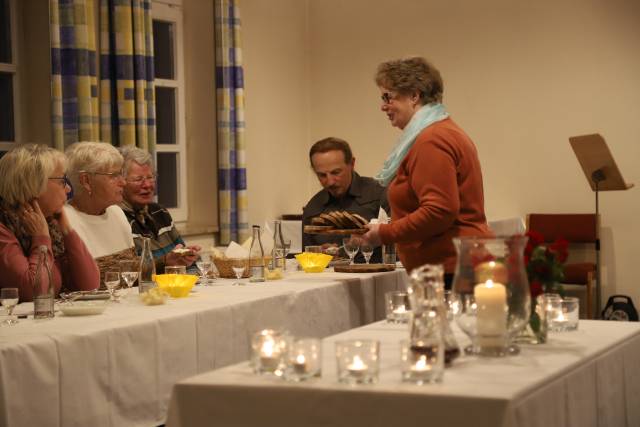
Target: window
170,107
8,76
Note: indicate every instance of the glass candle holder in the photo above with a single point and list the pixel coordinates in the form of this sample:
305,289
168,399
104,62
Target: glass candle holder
567,317
269,350
304,359
358,361
397,307
422,364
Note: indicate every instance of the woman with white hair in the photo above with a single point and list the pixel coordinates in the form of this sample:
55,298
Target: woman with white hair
33,190
95,171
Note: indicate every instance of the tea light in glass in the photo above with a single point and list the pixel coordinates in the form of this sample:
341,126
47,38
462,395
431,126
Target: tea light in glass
397,307
358,361
421,364
567,317
304,359
269,348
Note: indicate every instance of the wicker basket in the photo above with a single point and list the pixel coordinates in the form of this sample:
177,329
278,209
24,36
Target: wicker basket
225,270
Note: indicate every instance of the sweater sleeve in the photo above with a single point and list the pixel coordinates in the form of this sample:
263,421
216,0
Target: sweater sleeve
431,170
18,270
82,273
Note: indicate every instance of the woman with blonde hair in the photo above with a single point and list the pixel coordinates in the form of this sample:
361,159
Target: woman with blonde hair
33,190
95,171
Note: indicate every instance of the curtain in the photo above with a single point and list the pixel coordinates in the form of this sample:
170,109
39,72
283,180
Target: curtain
127,98
74,90
232,172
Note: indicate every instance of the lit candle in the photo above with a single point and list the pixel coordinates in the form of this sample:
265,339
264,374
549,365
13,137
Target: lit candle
300,364
357,368
421,365
491,300
400,310
269,355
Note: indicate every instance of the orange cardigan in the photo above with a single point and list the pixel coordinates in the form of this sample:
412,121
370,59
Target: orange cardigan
436,195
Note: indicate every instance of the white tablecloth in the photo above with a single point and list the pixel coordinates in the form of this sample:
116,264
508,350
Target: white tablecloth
118,368
590,377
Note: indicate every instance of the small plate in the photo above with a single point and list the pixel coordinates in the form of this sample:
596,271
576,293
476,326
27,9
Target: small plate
83,308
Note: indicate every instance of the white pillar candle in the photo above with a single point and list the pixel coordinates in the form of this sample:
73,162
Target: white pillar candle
491,302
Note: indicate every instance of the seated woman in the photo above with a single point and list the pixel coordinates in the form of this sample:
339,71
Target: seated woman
95,171
33,190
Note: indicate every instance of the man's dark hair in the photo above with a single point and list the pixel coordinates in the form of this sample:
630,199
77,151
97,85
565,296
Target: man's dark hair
331,144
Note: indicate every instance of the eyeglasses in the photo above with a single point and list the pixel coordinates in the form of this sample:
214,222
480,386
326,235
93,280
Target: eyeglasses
139,180
387,97
63,180
114,176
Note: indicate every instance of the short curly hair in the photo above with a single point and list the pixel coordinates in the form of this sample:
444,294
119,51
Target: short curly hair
411,75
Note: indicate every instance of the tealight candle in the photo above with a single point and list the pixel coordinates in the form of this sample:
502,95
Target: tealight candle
304,360
358,361
268,347
491,302
269,357
357,368
300,364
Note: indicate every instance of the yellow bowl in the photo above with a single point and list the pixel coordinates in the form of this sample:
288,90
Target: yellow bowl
313,262
176,285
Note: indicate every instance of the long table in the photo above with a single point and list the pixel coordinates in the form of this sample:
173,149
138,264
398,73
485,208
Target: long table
118,368
590,377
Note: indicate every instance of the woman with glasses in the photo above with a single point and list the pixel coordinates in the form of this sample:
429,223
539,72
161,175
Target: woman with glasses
149,219
33,190
433,176
95,171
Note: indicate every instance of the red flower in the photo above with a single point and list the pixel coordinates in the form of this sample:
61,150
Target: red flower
560,249
544,263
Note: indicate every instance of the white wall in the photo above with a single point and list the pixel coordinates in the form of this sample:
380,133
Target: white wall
520,78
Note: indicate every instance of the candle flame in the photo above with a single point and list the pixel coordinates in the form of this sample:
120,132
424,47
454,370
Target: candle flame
300,359
357,363
489,283
267,348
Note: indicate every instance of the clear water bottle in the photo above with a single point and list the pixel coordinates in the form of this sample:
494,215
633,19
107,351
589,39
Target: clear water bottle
43,287
147,268
256,257
279,249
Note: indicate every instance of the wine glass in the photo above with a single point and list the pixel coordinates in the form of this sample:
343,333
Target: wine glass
205,268
129,272
239,265
9,299
367,251
111,281
350,247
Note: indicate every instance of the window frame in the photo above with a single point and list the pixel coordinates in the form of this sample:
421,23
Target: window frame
14,69
171,11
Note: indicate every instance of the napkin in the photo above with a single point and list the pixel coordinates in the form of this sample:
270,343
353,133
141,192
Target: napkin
383,218
265,237
234,250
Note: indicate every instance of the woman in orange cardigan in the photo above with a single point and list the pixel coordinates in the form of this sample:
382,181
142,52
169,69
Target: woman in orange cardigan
433,172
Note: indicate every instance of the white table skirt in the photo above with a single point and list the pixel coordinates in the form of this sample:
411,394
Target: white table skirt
118,368
590,377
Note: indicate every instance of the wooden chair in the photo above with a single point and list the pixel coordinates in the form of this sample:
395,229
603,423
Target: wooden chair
578,230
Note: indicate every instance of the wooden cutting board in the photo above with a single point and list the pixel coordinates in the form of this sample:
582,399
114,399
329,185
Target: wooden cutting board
364,268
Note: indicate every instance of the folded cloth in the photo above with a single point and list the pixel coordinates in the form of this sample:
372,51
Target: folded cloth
234,250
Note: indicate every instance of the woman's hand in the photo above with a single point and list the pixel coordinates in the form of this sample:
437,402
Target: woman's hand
34,221
372,236
186,259
63,222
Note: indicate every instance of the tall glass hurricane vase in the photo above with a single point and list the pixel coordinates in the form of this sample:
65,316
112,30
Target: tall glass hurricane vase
491,285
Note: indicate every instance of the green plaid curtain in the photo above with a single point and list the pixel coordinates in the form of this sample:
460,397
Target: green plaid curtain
232,172
73,78
127,104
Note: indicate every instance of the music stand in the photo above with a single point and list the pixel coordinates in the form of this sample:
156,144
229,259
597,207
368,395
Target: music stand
603,174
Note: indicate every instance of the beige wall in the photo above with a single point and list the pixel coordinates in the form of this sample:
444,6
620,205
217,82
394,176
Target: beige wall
520,78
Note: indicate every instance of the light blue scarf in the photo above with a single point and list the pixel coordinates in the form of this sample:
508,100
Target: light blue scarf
423,118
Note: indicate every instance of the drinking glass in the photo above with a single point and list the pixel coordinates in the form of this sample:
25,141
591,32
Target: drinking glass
112,280
367,251
129,272
350,247
239,266
9,299
205,267
175,269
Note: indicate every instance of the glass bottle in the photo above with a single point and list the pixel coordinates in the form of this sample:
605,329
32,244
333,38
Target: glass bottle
426,295
147,267
43,289
256,257
279,249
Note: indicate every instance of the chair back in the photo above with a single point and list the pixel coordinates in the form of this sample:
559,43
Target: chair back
575,228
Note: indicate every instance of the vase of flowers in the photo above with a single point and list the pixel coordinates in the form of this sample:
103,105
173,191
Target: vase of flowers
545,271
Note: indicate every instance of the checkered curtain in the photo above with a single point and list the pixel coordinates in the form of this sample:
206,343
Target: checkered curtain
232,172
74,88
127,98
